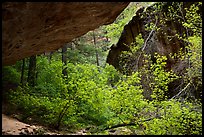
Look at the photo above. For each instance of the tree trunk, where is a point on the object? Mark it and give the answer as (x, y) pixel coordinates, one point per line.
(22, 72)
(64, 58)
(32, 71)
(50, 56)
(97, 61)
(106, 38)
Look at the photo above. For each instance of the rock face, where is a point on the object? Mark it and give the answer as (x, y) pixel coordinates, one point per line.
(163, 41)
(157, 41)
(33, 28)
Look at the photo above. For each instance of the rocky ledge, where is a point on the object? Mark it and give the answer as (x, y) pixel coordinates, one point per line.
(31, 28)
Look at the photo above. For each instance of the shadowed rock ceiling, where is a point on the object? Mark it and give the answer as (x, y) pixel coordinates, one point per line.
(32, 28)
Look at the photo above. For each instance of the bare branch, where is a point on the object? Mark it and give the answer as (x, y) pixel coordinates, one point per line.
(149, 35)
(131, 123)
(145, 44)
(180, 91)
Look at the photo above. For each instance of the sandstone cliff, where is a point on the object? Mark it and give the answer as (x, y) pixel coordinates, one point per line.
(163, 41)
(31, 28)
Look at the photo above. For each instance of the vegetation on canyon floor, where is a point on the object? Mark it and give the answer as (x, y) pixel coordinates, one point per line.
(74, 87)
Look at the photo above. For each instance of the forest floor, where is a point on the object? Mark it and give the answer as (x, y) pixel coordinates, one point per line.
(12, 126)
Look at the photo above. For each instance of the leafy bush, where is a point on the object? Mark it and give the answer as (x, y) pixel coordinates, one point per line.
(175, 119)
(41, 109)
(161, 116)
(9, 73)
(89, 86)
(80, 98)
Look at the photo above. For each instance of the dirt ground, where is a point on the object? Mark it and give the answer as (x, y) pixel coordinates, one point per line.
(11, 126)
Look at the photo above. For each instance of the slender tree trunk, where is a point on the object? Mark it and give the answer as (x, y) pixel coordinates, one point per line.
(106, 38)
(32, 71)
(50, 56)
(97, 61)
(64, 58)
(22, 72)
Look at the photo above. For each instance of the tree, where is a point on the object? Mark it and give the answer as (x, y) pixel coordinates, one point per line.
(64, 59)
(50, 56)
(94, 38)
(22, 72)
(32, 71)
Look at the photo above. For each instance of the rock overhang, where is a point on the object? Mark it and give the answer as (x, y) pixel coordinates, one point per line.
(32, 28)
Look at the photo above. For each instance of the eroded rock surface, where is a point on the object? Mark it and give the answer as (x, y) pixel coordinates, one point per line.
(156, 41)
(31, 28)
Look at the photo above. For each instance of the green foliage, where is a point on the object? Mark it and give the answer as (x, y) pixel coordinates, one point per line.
(38, 108)
(127, 58)
(86, 89)
(113, 76)
(193, 19)
(84, 49)
(50, 81)
(101, 96)
(161, 78)
(176, 119)
(83, 54)
(91, 99)
(195, 58)
(7, 72)
(127, 99)
(115, 29)
(192, 22)
(89, 85)
(167, 117)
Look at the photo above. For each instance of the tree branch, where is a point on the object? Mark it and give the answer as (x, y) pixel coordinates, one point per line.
(131, 123)
(121, 125)
(149, 35)
(180, 91)
(145, 44)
